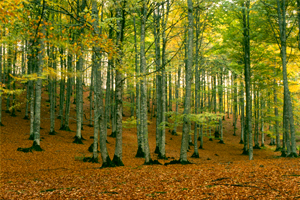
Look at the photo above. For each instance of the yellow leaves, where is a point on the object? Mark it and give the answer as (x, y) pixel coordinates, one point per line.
(51, 28)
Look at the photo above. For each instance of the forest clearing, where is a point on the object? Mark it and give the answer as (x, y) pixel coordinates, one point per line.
(165, 99)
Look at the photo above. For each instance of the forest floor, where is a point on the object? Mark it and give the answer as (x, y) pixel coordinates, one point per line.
(58, 172)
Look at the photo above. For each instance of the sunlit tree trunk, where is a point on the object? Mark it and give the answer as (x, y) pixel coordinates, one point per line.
(38, 92)
(248, 123)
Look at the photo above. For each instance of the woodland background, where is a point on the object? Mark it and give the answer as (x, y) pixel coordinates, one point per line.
(194, 89)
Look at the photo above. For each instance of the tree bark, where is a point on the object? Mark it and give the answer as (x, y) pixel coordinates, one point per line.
(187, 102)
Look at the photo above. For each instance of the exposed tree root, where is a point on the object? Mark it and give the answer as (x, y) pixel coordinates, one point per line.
(256, 147)
(283, 153)
(292, 155)
(152, 162)
(200, 147)
(245, 152)
(91, 148)
(173, 162)
(156, 150)
(117, 161)
(140, 153)
(52, 133)
(107, 163)
(278, 149)
(195, 155)
(26, 117)
(34, 147)
(113, 134)
(160, 156)
(221, 142)
(90, 159)
(77, 140)
(241, 142)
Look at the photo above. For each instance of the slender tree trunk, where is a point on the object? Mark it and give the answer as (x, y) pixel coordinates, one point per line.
(144, 85)
(120, 13)
(140, 136)
(157, 33)
(278, 147)
(52, 92)
(187, 102)
(288, 109)
(248, 123)
(221, 106)
(69, 93)
(38, 94)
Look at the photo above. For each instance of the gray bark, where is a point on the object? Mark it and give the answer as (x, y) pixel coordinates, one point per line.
(248, 121)
(38, 92)
(120, 14)
(288, 109)
(62, 89)
(69, 91)
(187, 102)
(143, 64)
(140, 135)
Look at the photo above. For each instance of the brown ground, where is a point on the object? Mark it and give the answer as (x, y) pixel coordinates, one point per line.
(221, 172)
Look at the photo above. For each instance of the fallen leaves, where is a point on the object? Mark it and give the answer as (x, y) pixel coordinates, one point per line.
(55, 173)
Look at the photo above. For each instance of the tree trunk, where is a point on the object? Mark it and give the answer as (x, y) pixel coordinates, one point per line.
(288, 109)
(143, 64)
(248, 123)
(120, 13)
(187, 102)
(140, 136)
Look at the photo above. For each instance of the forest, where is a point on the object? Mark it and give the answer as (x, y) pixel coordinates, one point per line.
(166, 99)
